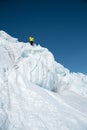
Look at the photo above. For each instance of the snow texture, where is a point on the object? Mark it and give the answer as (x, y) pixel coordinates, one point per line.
(36, 92)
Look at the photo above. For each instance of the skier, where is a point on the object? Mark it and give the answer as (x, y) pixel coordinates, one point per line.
(31, 39)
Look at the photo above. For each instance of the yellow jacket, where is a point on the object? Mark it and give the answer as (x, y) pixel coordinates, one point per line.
(31, 38)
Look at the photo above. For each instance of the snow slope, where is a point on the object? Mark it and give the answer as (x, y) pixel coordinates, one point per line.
(36, 92)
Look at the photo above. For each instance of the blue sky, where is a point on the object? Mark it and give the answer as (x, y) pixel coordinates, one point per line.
(59, 25)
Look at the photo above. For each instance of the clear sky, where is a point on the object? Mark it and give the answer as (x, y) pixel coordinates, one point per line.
(59, 25)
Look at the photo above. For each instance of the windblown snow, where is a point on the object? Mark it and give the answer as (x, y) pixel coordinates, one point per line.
(36, 92)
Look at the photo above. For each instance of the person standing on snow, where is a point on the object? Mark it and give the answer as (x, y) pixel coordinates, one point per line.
(31, 39)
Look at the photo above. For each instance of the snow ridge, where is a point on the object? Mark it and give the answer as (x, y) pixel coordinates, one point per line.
(27, 74)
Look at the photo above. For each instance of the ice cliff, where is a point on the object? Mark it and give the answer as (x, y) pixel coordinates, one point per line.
(36, 92)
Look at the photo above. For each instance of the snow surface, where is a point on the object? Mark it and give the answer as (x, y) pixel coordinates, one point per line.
(36, 92)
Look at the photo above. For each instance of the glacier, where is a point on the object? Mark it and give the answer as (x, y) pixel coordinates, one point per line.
(36, 92)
